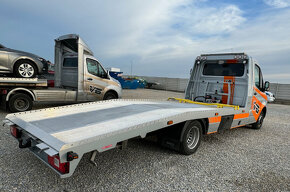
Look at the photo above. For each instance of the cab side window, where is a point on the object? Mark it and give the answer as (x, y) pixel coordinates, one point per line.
(95, 68)
(102, 72)
(258, 78)
(92, 67)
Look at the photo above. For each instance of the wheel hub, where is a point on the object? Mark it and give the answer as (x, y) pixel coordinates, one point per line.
(21, 104)
(26, 70)
(192, 137)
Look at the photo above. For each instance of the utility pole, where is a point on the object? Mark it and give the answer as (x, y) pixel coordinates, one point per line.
(131, 67)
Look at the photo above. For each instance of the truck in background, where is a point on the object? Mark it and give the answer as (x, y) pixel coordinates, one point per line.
(78, 77)
(225, 91)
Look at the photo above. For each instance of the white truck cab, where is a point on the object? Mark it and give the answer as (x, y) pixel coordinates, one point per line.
(233, 79)
(78, 77)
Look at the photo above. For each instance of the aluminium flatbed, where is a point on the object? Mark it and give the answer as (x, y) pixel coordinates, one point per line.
(87, 127)
(24, 82)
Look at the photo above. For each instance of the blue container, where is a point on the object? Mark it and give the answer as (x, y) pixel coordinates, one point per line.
(126, 84)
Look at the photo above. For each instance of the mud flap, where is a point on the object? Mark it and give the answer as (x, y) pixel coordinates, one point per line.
(226, 122)
(170, 143)
(3, 104)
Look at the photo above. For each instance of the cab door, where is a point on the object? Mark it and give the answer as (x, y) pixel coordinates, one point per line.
(94, 79)
(259, 99)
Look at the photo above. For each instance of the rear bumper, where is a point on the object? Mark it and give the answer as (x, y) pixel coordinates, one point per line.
(40, 150)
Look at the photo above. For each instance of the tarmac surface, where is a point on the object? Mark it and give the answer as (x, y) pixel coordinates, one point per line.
(241, 159)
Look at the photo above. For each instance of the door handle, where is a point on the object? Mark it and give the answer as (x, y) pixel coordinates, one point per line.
(89, 79)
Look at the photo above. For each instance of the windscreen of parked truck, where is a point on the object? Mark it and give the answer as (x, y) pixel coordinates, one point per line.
(225, 69)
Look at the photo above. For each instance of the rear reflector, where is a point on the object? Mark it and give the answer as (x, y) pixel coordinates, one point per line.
(14, 131)
(4, 91)
(232, 61)
(55, 163)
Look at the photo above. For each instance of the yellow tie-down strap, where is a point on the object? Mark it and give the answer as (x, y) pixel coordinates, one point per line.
(218, 105)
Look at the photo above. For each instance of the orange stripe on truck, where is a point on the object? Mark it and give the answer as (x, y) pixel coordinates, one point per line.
(241, 115)
(215, 119)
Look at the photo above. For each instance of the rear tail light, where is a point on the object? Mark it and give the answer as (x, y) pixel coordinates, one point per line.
(14, 131)
(3, 91)
(55, 163)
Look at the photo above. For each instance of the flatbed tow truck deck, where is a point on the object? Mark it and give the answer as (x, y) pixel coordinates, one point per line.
(24, 82)
(101, 125)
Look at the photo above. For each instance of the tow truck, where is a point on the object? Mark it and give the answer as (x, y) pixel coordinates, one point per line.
(225, 91)
(78, 77)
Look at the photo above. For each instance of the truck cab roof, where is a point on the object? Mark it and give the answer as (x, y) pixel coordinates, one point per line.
(71, 41)
(222, 56)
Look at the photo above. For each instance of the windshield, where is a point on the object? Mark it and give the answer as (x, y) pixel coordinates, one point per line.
(226, 69)
(2, 46)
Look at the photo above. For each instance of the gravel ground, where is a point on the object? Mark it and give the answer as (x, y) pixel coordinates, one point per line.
(238, 160)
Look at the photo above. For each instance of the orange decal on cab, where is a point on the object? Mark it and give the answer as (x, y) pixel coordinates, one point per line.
(261, 93)
(257, 107)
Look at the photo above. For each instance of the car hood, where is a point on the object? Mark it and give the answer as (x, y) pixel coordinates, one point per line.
(21, 52)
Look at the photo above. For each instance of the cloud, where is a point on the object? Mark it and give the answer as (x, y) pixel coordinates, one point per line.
(181, 24)
(211, 20)
(160, 38)
(278, 3)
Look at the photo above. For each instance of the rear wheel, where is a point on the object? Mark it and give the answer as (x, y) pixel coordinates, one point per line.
(25, 69)
(110, 95)
(191, 138)
(20, 102)
(259, 122)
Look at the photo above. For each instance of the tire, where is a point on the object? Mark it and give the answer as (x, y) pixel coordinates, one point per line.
(191, 138)
(20, 102)
(109, 96)
(25, 69)
(259, 122)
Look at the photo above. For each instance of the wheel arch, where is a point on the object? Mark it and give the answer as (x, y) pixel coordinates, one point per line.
(111, 91)
(20, 90)
(19, 59)
(203, 122)
(264, 110)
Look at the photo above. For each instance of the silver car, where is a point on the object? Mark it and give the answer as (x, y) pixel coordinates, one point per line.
(20, 63)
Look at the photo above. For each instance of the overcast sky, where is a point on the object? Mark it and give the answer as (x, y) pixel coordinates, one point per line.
(158, 37)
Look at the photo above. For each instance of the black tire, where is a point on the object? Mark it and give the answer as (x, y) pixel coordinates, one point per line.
(259, 122)
(25, 69)
(110, 95)
(191, 138)
(20, 102)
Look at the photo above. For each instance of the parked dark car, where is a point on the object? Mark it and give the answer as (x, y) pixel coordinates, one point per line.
(20, 63)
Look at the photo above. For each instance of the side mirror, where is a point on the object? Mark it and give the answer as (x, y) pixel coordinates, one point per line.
(190, 71)
(267, 85)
